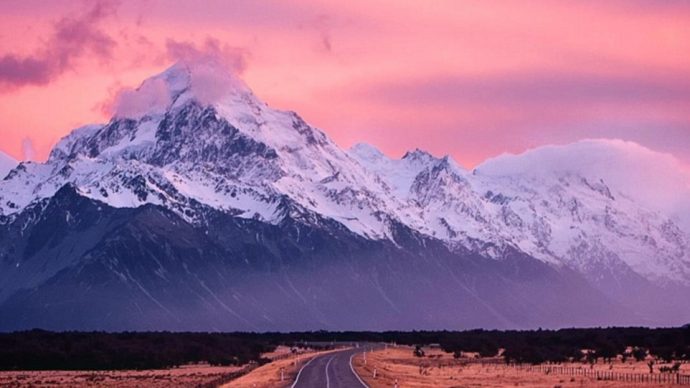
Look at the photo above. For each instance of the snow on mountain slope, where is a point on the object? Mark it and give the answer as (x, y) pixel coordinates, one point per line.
(656, 180)
(6, 164)
(568, 216)
(605, 198)
(399, 174)
(212, 142)
(196, 135)
(580, 221)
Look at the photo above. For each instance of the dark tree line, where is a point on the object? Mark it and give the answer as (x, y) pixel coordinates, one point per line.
(40, 350)
(538, 346)
(37, 349)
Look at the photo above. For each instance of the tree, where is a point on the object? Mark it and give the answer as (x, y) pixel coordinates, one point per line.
(639, 354)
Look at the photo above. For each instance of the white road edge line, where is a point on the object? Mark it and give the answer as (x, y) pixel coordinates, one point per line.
(301, 369)
(328, 380)
(355, 373)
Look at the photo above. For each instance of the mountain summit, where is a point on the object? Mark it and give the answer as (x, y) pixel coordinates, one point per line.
(206, 82)
(199, 207)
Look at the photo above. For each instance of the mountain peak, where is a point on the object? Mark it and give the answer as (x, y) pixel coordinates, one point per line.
(207, 82)
(424, 158)
(418, 155)
(366, 152)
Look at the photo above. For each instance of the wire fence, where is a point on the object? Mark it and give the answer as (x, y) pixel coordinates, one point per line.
(658, 378)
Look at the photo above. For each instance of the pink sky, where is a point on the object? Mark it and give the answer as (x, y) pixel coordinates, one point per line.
(468, 78)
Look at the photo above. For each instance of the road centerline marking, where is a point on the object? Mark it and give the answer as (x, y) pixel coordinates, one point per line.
(328, 380)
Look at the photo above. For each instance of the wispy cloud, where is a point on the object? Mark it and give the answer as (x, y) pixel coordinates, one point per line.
(154, 95)
(28, 150)
(72, 37)
(210, 50)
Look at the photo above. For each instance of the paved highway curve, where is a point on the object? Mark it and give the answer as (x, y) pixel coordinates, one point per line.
(332, 370)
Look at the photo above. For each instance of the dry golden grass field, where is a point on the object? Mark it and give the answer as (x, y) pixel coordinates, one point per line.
(440, 369)
(186, 376)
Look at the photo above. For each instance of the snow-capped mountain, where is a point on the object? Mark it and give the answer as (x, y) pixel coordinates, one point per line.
(234, 154)
(602, 202)
(565, 216)
(216, 193)
(6, 164)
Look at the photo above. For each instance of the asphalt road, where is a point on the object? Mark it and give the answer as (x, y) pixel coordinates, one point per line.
(332, 370)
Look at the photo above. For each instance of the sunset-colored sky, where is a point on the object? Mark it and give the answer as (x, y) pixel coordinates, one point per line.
(472, 79)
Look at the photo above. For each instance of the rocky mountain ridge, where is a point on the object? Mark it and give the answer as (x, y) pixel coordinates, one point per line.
(206, 154)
